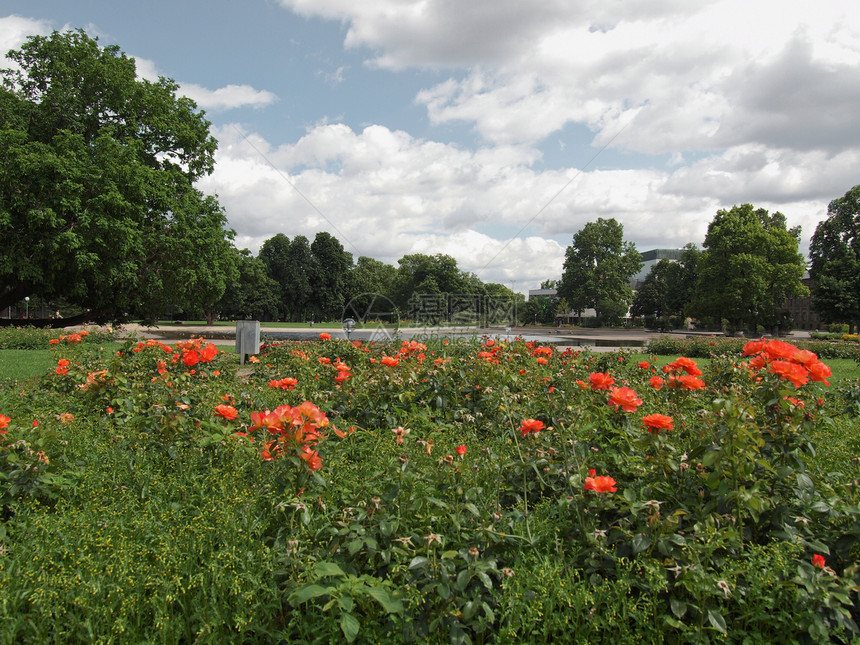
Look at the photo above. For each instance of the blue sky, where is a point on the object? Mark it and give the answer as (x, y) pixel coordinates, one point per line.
(493, 130)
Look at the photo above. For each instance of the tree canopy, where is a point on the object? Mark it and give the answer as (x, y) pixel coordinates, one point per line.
(749, 267)
(97, 197)
(598, 267)
(834, 253)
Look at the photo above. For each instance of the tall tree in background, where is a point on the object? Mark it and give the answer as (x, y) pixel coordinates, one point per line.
(835, 256)
(598, 267)
(250, 293)
(331, 264)
(275, 256)
(299, 291)
(426, 275)
(97, 203)
(750, 265)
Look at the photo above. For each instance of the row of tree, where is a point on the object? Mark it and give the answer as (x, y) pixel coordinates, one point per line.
(298, 280)
(749, 266)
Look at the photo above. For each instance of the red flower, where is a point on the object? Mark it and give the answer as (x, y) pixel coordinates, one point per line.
(778, 349)
(311, 457)
(324, 360)
(644, 365)
(390, 361)
(624, 398)
(754, 347)
(819, 372)
(461, 450)
(687, 365)
(601, 484)
(818, 561)
(656, 382)
(787, 371)
(656, 422)
(54, 341)
(600, 381)
(208, 352)
(286, 383)
(4, 421)
(226, 411)
(530, 425)
(191, 358)
(689, 382)
(341, 377)
(325, 336)
(541, 360)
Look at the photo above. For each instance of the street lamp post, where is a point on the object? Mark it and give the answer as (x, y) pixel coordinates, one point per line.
(27, 307)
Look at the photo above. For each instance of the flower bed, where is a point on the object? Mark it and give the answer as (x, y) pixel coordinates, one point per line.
(448, 491)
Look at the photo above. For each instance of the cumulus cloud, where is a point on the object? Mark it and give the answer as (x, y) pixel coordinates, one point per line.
(685, 76)
(227, 97)
(14, 31)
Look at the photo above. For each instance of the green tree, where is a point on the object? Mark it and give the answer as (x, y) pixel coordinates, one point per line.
(598, 267)
(299, 291)
(749, 267)
(250, 293)
(668, 288)
(97, 172)
(368, 288)
(331, 265)
(834, 253)
(426, 275)
(275, 255)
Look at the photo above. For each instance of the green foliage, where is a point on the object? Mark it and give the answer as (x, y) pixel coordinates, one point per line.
(834, 252)
(750, 265)
(598, 267)
(467, 491)
(97, 203)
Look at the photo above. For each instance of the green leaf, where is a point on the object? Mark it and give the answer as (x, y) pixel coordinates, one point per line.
(323, 569)
(717, 621)
(346, 603)
(640, 542)
(463, 579)
(307, 592)
(350, 626)
(418, 562)
(678, 607)
(389, 604)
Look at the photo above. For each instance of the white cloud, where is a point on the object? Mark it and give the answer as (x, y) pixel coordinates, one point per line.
(690, 75)
(14, 31)
(227, 97)
(384, 194)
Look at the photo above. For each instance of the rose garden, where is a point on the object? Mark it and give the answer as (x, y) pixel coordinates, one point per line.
(446, 491)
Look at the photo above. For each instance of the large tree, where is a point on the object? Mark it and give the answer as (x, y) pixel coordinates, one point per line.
(97, 197)
(275, 256)
(598, 267)
(749, 267)
(331, 266)
(835, 256)
(251, 293)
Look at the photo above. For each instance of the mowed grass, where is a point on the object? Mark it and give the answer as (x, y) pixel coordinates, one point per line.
(23, 364)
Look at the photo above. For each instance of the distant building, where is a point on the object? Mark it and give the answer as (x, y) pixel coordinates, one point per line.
(649, 259)
(801, 309)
